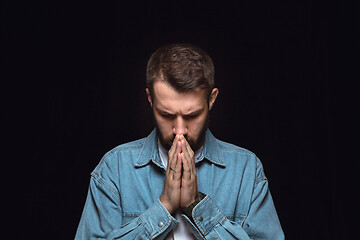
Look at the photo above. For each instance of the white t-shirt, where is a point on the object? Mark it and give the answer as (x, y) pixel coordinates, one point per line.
(180, 232)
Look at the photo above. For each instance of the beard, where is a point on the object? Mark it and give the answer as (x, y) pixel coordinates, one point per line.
(195, 143)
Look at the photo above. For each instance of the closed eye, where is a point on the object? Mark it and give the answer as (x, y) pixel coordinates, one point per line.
(167, 115)
(191, 116)
(194, 114)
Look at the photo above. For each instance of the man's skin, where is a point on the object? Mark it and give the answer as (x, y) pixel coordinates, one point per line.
(180, 185)
(183, 115)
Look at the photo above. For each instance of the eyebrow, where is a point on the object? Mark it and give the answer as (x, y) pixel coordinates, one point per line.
(196, 112)
(193, 113)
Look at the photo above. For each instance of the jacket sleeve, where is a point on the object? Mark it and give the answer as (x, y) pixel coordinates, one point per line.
(261, 222)
(102, 217)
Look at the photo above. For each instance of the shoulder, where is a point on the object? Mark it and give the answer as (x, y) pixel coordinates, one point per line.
(229, 147)
(125, 153)
(235, 155)
(129, 146)
(232, 149)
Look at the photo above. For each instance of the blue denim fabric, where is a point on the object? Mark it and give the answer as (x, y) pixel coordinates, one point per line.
(123, 197)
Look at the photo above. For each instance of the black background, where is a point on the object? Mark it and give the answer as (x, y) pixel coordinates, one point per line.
(74, 89)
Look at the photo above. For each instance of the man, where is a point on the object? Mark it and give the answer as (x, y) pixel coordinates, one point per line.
(179, 182)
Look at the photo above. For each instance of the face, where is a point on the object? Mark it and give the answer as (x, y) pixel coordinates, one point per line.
(180, 113)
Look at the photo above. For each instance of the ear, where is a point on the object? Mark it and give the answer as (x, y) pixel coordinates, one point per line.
(213, 97)
(149, 96)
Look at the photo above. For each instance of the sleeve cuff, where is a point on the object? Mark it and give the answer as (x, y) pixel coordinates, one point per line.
(157, 220)
(206, 215)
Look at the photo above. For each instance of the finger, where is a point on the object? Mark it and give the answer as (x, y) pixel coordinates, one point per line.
(174, 161)
(185, 150)
(173, 147)
(186, 167)
(171, 153)
(189, 153)
(188, 148)
(177, 169)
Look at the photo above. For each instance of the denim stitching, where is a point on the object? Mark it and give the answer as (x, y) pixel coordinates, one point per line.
(202, 230)
(165, 226)
(105, 184)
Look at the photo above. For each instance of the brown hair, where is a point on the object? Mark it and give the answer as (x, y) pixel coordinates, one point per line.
(184, 67)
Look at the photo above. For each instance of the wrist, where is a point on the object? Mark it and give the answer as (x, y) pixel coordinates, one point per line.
(189, 202)
(188, 210)
(167, 205)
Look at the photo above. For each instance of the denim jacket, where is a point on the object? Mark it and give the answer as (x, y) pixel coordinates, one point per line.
(123, 197)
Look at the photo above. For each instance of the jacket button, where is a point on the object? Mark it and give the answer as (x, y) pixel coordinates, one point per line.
(201, 219)
(160, 224)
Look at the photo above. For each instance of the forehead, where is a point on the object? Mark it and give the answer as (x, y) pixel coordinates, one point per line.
(167, 98)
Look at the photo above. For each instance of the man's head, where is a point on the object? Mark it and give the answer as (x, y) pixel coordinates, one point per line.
(180, 90)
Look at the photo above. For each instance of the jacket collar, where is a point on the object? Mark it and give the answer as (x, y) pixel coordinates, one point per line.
(150, 151)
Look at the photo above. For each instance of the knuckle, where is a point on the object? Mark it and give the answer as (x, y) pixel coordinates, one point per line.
(187, 184)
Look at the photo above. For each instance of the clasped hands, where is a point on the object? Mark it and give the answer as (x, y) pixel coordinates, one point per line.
(180, 186)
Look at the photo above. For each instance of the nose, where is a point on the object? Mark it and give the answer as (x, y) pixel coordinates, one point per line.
(180, 126)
